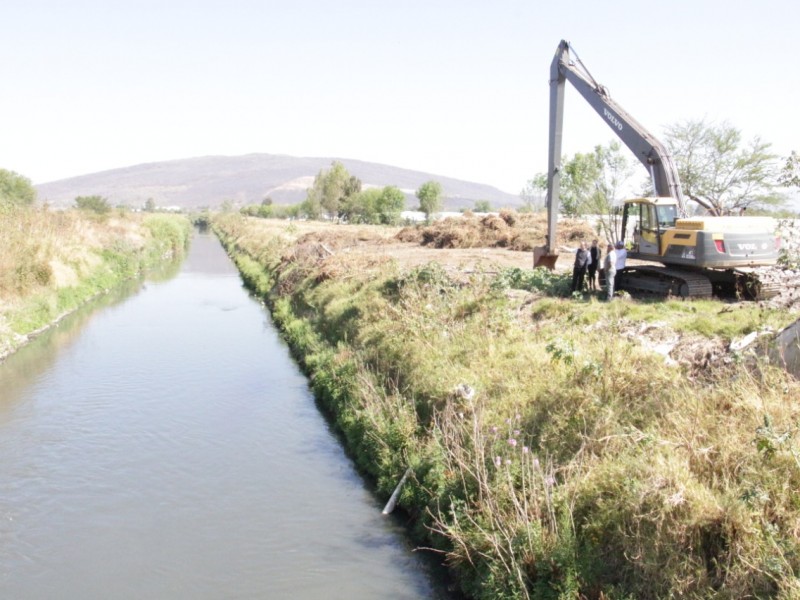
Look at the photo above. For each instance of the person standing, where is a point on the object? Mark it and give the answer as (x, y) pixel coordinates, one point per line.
(622, 256)
(610, 270)
(582, 259)
(595, 254)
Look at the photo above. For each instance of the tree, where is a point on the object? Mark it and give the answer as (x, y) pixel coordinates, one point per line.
(533, 194)
(150, 205)
(615, 170)
(715, 166)
(96, 204)
(331, 188)
(592, 183)
(580, 177)
(361, 207)
(429, 195)
(483, 206)
(374, 205)
(390, 204)
(790, 175)
(15, 189)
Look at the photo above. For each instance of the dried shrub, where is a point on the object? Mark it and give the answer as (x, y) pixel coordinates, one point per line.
(521, 232)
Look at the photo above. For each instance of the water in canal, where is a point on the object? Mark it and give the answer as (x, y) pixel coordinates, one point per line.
(165, 445)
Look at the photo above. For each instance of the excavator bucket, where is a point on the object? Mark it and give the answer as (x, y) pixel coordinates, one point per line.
(542, 258)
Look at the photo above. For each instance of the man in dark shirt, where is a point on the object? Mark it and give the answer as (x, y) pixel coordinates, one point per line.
(582, 259)
(596, 254)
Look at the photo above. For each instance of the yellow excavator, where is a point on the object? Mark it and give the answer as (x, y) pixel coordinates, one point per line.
(698, 255)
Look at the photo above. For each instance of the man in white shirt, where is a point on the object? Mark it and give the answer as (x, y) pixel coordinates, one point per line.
(610, 270)
(622, 256)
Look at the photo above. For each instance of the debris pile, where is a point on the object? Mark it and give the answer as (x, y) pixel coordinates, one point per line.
(789, 230)
(508, 229)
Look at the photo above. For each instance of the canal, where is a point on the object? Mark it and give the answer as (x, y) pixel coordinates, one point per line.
(164, 445)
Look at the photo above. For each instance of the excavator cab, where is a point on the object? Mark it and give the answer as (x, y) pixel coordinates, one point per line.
(644, 221)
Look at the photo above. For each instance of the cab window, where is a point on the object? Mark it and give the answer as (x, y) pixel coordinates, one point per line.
(649, 221)
(666, 216)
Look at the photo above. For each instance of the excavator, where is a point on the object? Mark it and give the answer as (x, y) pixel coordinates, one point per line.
(698, 255)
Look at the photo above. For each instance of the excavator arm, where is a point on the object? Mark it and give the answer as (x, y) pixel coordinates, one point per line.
(646, 148)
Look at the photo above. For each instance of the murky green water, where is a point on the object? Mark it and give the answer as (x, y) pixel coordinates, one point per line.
(165, 446)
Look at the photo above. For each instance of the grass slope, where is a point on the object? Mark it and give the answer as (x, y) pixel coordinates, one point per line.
(554, 455)
(54, 261)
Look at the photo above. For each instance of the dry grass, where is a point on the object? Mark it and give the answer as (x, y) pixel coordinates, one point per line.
(521, 232)
(51, 261)
(43, 248)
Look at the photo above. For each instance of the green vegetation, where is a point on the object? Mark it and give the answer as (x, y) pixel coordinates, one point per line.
(591, 184)
(376, 206)
(54, 261)
(15, 190)
(429, 195)
(338, 195)
(95, 204)
(331, 189)
(715, 166)
(554, 455)
(483, 206)
(790, 174)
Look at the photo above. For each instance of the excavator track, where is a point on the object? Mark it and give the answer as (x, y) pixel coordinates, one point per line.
(756, 284)
(663, 281)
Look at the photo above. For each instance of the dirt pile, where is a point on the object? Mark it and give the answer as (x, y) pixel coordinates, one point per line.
(509, 229)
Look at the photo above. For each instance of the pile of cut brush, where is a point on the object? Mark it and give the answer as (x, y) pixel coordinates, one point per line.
(508, 229)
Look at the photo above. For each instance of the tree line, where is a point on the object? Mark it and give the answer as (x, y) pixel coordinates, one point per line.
(338, 195)
(716, 166)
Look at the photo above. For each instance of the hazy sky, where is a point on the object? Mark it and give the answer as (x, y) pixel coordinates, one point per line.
(455, 88)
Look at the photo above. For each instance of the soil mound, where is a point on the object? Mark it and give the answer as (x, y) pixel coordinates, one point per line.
(509, 229)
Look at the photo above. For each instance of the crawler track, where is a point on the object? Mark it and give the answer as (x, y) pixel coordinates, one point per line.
(663, 281)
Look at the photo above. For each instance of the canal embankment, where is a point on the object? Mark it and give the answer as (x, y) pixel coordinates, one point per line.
(559, 446)
(55, 261)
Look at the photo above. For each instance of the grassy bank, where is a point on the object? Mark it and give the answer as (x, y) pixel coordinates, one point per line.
(555, 452)
(54, 261)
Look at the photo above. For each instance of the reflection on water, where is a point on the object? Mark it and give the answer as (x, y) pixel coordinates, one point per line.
(167, 447)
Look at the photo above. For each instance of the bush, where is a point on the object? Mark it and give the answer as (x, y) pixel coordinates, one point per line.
(95, 204)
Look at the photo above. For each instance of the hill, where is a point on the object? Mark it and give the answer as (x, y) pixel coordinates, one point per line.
(211, 180)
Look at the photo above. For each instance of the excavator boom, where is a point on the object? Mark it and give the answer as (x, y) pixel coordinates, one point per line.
(646, 148)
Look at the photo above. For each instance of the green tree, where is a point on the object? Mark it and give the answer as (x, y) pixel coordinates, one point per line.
(15, 189)
(483, 206)
(580, 177)
(374, 205)
(150, 205)
(361, 207)
(330, 190)
(719, 170)
(390, 204)
(615, 169)
(592, 184)
(96, 204)
(430, 197)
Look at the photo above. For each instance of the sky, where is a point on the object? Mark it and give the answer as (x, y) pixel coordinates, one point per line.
(456, 88)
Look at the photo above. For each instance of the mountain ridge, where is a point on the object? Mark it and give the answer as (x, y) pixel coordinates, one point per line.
(209, 181)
